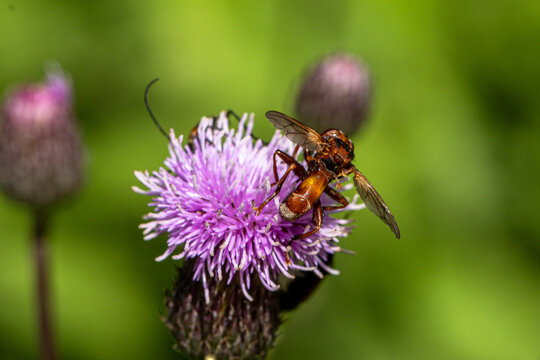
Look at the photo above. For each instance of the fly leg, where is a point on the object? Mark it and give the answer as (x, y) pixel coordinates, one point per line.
(335, 195)
(307, 155)
(318, 216)
(234, 115)
(307, 158)
(281, 154)
(229, 114)
(318, 213)
(293, 166)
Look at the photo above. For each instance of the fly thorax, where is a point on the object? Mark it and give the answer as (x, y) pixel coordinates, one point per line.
(330, 164)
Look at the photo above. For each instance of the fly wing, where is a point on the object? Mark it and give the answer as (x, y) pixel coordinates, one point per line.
(374, 201)
(297, 132)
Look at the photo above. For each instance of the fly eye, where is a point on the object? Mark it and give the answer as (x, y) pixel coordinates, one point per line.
(338, 159)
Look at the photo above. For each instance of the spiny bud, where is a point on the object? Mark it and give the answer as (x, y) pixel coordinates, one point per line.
(226, 325)
(40, 148)
(335, 94)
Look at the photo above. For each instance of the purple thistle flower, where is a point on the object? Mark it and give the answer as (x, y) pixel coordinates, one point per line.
(204, 203)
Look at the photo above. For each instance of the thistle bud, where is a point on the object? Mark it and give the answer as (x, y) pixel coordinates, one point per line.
(40, 148)
(221, 324)
(335, 94)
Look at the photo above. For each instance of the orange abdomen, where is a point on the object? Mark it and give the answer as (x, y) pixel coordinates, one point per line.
(301, 200)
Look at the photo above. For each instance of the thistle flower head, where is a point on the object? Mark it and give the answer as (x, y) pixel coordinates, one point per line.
(40, 148)
(335, 94)
(228, 326)
(204, 202)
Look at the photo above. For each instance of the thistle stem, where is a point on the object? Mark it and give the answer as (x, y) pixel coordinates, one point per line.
(40, 252)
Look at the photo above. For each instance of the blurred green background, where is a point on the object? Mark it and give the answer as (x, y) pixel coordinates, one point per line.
(452, 144)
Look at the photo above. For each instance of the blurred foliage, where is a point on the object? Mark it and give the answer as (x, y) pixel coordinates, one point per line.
(452, 145)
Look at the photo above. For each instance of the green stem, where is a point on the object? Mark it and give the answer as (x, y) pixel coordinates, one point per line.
(40, 253)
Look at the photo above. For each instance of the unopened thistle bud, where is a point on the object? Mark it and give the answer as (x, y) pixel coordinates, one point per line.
(40, 148)
(335, 94)
(228, 326)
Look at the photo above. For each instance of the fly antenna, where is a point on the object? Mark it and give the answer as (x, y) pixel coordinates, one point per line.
(150, 110)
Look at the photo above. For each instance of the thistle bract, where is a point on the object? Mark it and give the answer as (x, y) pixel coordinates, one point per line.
(228, 326)
(203, 201)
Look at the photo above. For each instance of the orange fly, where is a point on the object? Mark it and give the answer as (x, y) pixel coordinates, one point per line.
(328, 156)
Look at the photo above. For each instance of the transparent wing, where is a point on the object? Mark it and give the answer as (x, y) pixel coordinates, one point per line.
(374, 201)
(297, 132)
